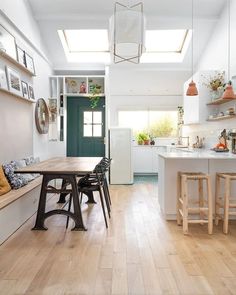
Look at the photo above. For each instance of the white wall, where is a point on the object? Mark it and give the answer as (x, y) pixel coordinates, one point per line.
(20, 136)
(143, 89)
(215, 57)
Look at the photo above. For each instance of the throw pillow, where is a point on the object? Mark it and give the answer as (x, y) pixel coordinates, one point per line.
(30, 161)
(16, 180)
(4, 185)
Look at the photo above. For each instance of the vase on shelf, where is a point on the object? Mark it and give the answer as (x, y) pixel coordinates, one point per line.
(216, 94)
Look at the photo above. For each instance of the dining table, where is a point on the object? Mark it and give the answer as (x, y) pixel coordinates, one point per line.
(66, 169)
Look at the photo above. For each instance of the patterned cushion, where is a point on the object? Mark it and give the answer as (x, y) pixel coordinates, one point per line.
(16, 180)
(21, 164)
(4, 185)
(29, 160)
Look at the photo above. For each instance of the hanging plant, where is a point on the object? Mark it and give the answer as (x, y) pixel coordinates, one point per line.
(95, 95)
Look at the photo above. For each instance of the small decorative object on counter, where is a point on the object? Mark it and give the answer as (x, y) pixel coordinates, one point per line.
(222, 145)
(199, 142)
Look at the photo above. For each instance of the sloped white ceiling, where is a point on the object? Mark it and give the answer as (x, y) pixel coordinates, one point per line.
(90, 14)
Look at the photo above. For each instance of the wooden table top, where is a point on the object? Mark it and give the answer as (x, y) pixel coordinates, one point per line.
(63, 165)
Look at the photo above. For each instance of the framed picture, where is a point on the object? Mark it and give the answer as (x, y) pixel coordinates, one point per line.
(52, 106)
(14, 81)
(20, 56)
(7, 42)
(31, 92)
(29, 63)
(25, 89)
(3, 79)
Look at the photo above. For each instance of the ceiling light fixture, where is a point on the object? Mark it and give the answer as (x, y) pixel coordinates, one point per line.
(127, 31)
(192, 88)
(229, 92)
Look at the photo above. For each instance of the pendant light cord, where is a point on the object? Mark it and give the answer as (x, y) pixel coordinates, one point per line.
(229, 52)
(192, 40)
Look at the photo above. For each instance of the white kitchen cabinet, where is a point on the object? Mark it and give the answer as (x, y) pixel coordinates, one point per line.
(145, 158)
(142, 159)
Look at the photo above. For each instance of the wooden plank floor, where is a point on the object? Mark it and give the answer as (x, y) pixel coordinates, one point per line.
(139, 254)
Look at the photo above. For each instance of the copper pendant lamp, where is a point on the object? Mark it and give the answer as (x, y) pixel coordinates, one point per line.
(192, 88)
(229, 92)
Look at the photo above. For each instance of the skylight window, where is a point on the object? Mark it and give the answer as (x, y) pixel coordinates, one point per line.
(86, 40)
(165, 41)
(92, 46)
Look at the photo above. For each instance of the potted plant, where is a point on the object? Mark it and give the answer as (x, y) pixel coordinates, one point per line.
(143, 138)
(95, 94)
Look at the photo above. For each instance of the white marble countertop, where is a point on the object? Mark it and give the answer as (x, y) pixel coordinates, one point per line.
(197, 154)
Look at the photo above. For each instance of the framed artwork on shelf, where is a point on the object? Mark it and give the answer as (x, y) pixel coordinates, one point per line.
(25, 90)
(7, 42)
(29, 63)
(31, 92)
(21, 56)
(3, 79)
(14, 81)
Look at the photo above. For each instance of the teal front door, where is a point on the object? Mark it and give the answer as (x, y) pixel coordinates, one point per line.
(85, 128)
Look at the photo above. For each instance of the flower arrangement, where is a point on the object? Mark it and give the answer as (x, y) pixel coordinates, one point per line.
(215, 82)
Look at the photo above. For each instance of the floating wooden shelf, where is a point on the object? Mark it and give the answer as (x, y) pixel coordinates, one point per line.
(16, 63)
(220, 101)
(222, 118)
(16, 95)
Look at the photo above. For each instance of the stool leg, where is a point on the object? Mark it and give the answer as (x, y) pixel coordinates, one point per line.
(184, 195)
(226, 206)
(200, 195)
(217, 200)
(178, 204)
(209, 196)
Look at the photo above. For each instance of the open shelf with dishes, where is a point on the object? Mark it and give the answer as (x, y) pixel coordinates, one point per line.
(225, 117)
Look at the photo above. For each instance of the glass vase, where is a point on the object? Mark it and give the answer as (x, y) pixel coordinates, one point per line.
(216, 94)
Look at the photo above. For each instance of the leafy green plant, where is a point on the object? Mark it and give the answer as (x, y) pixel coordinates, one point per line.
(95, 95)
(141, 137)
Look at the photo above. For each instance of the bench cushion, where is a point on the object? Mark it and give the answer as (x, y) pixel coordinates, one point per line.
(4, 185)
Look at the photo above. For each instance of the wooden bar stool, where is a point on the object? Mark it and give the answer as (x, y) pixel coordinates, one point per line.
(204, 208)
(225, 202)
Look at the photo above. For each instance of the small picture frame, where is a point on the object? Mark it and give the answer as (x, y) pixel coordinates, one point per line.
(14, 81)
(21, 56)
(3, 79)
(29, 63)
(25, 90)
(31, 92)
(7, 42)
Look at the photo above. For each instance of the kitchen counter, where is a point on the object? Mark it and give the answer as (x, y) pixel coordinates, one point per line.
(197, 154)
(170, 163)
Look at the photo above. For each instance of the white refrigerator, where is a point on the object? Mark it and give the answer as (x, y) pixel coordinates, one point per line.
(120, 151)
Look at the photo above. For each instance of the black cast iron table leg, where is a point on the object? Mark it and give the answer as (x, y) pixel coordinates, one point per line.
(62, 198)
(39, 224)
(79, 224)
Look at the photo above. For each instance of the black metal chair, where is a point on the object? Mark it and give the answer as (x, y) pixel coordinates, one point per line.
(91, 183)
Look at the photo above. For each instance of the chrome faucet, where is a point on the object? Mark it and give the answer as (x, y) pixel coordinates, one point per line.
(180, 140)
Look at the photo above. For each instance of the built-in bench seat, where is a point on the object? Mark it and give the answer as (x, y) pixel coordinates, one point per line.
(17, 206)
